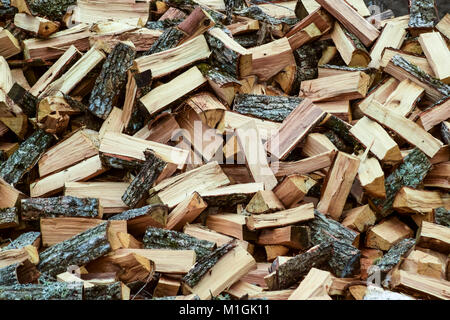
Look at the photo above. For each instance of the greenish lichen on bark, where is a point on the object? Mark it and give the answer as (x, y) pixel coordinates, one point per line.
(25, 158)
(53, 9)
(158, 212)
(141, 184)
(167, 40)
(273, 108)
(111, 81)
(205, 263)
(157, 238)
(224, 58)
(9, 217)
(25, 239)
(256, 13)
(111, 291)
(8, 275)
(442, 216)
(216, 75)
(25, 100)
(50, 291)
(64, 206)
(393, 256)
(410, 173)
(112, 161)
(78, 250)
(422, 14)
(163, 24)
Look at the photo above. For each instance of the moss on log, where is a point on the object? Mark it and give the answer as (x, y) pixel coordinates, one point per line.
(49, 291)
(65, 206)
(410, 173)
(78, 250)
(111, 81)
(142, 183)
(9, 218)
(393, 256)
(25, 239)
(163, 24)
(442, 216)
(25, 100)
(24, 158)
(53, 9)
(422, 14)
(156, 238)
(205, 263)
(273, 108)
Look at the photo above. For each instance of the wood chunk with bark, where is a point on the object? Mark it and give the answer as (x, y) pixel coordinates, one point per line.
(434, 115)
(230, 196)
(419, 285)
(296, 237)
(442, 216)
(31, 238)
(422, 16)
(437, 52)
(111, 81)
(415, 59)
(48, 291)
(25, 100)
(196, 23)
(444, 26)
(10, 256)
(138, 220)
(19, 273)
(293, 189)
(409, 200)
(387, 233)
(113, 291)
(264, 202)
(231, 224)
(434, 236)
(41, 27)
(10, 46)
(316, 283)
(359, 219)
(307, 165)
(79, 250)
(210, 110)
(156, 238)
(371, 177)
(403, 100)
(394, 255)
(9, 218)
(350, 47)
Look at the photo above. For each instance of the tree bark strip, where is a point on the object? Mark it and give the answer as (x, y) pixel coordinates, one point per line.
(393, 256)
(25, 100)
(9, 218)
(49, 291)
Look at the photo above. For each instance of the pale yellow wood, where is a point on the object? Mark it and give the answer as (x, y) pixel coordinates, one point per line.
(404, 98)
(113, 123)
(417, 201)
(282, 218)
(9, 45)
(387, 233)
(419, 61)
(437, 53)
(444, 26)
(316, 283)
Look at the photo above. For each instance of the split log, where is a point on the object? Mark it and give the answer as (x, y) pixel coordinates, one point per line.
(393, 257)
(18, 273)
(296, 237)
(436, 51)
(233, 225)
(196, 23)
(409, 200)
(422, 16)
(31, 238)
(309, 115)
(230, 196)
(422, 286)
(209, 109)
(138, 220)
(316, 283)
(9, 44)
(155, 238)
(438, 176)
(350, 47)
(434, 236)
(415, 59)
(25, 100)
(79, 250)
(324, 229)
(425, 262)
(264, 202)
(9, 218)
(442, 216)
(48, 291)
(359, 219)
(387, 233)
(243, 26)
(444, 26)
(434, 115)
(36, 208)
(371, 177)
(12, 256)
(273, 108)
(24, 159)
(234, 120)
(304, 166)
(281, 218)
(242, 289)
(167, 287)
(340, 177)
(293, 189)
(404, 98)
(114, 291)
(37, 25)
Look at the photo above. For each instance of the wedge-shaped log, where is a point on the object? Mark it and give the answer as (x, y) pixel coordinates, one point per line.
(293, 189)
(444, 26)
(138, 220)
(281, 218)
(10, 46)
(395, 254)
(308, 165)
(296, 237)
(404, 98)
(264, 202)
(359, 219)
(25, 100)
(387, 233)
(411, 200)
(9, 218)
(31, 238)
(67, 206)
(417, 60)
(434, 115)
(316, 284)
(186, 212)
(434, 237)
(351, 19)
(337, 185)
(230, 224)
(371, 177)
(294, 129)
(48, 291)
(36, 25)
(350, 47)
(229, 196)
(420, 285)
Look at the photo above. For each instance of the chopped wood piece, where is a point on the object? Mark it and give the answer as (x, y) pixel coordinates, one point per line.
(9, 44)
(293, 189)
(350, 47)
(393, 257)
(434, 236)
(36, 208)
(242, 289)
(404, 127)
(11, 256)
(196, 23)
(422, 16)
(19, 273)
(359, 219)
(156, 238)
(419, 61)
(37, 25)
(444, 26)
(425, 262)
(434, 115)
(160, 97)
(316, 283)
(113, 291)
(228, 54)
(9, 218)
(304, 166)
(306, 114)
(230, 224)
(351, 19)
(438, 176)
(26, 101)
(417, 201)
(232, 195)
(166, 287)
(296, 237)
(48, 291)
(352, 85)
(404, 98)
(437, 52)
(138, 220)
(244, 25)
(371, 177)
(264, 202)
(212, 274)
(167, 61)
(388, 233)
(281, 218)
(424, 286)
(274, 251)
(340, 178)
(128, 241)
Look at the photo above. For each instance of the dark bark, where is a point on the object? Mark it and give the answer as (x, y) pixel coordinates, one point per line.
(442, 216)
(25, 100)
(422, 14)
(111, 291)
(227, 200)
(111, 81)
(256, 13)
(338, 142)
(66, 206)
(167, 40)
(295, 268)
(141, 218)
(205, 263)
(25, 239)
(24, 159)
(142, 183)
(8, 275)
(163, 24)
(273, 108)
(53, 9)
(250, 40)
(6, 11)
(342, 130)
(50, 291)
(307, 57)
(116, 162)
(139, 115)
(156, 238)
(9, 217)
(216, 75)
(347, 68)
(345, 260)
(78, 250)
(231, 5)
(393, 256)
(410, 173)
(75, 104)
(445, 132)
(324, 229)
(18, 273)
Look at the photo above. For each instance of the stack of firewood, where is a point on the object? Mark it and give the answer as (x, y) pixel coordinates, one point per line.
(223, 149)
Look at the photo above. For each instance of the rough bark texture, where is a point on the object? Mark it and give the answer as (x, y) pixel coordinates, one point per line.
(111, 291)
(445, 132)
(78, 250)
(358, 44)
(142, 183)
(231, 5)
(307, 57)
(341, 129)
(256, 13)
(157, 211)
(163, 24)
(111, 81)
(338, 142)
(345, 260)
(442, 216)
(66, 206)
(24, 159)
(347, 68)
(111, 161)
(9, 217)
(229, 200)
(8, 275)
(156, 238)
(216, 75)
(25, 100)
(53, 9)
(250, 40)
(424, 77)
(205, 263)
(393, 256)
(422, 14)
(25, 239)
(167, 40)
(223, 57)
(139, 115)
(324, 229)
(50, 291)
(295, 268)
(273, 108)
(410, 173)
(6, 10)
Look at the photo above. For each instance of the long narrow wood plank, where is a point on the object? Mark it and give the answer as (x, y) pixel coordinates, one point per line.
(307, 165)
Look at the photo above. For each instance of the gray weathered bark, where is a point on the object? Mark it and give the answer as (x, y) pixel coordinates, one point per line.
(50, 291)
